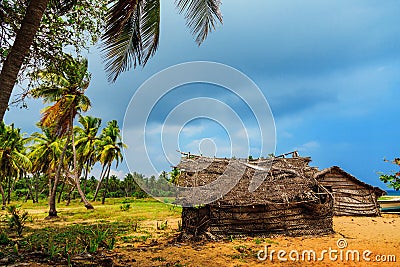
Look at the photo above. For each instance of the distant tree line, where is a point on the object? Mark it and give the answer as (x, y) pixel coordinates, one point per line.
(35, 188)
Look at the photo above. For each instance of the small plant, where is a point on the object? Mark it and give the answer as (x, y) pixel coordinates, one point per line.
(179, 226)
(158, 259)
(4, 240)
(98, 238)
(126, 200)
(258, 241)
(236, 256)
(17, 219)
(53, 250)
(135, 226)
(162, 226)
(125, 207)
(111, 244)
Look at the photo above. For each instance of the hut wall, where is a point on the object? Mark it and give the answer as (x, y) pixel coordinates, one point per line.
(350, 198)
(292, 219)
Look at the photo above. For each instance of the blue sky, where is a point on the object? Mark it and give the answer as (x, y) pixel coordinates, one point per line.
(328, 69)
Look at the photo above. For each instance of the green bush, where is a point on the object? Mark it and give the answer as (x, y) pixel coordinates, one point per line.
(4, 240)
(125, 207)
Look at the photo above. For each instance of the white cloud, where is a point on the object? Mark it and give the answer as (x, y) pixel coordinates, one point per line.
(308, 147)
(97, 171)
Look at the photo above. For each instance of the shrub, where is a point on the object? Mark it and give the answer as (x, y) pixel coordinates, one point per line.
(125, 207)
(4, 240)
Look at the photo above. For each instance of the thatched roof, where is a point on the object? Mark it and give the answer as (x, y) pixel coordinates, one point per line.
(318, 175)
(265, 181)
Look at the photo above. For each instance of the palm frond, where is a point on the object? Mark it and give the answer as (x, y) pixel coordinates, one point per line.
(201, 16)
(122, 46)
(150, 28)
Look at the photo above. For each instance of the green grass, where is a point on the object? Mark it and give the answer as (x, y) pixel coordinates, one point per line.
(140, 210)
(388, 197)
(78, 229)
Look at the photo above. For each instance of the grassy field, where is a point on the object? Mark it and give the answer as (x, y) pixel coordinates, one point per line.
(139, 210)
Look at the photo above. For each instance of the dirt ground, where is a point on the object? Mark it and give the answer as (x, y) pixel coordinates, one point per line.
(377, 240)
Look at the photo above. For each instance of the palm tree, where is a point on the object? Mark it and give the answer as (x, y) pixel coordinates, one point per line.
(109, 150)
(85, 144)
(45, 152)
(13, 161)
(64, 84)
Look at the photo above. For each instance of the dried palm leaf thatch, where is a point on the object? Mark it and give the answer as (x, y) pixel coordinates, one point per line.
(271, 196)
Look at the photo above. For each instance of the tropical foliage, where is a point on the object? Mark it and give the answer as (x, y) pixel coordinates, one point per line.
(34, 33)
(133, 30)
(72, 24)
(64, 85)
(13, 161)
(393, 179)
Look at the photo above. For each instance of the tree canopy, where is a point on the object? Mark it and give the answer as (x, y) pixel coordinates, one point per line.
(66, 26)
(393, 179)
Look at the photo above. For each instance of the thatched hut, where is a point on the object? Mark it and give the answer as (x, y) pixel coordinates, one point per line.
(286, 199)
(351, 196)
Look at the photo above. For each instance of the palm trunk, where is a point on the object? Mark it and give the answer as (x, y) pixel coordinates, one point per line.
(20, 49)
(9, 190)
(30, 193)
(69, 195)
(86, 174)
(27, 197)
(37, 188)
(99, 183)
(3, 197)
(76, 174)
(50, 185)
(103, 200)
(53, 191)
(60, 194)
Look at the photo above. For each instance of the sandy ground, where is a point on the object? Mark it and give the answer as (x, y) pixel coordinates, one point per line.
(377, 238)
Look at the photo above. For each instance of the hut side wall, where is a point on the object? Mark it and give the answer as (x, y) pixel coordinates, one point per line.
(292, 220)
(350, 198)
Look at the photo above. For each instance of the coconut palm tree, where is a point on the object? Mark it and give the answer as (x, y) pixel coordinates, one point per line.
(64, 85)
(45, 153)
(13, 160)
(85, 144)
(109, 150)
